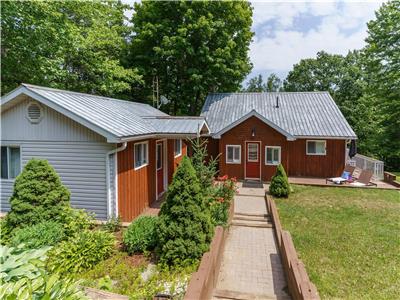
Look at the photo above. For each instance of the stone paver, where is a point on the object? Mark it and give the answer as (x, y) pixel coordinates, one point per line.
(251, 263)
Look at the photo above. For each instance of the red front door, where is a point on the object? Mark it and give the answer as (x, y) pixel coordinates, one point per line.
(253, 160)
(160, 167)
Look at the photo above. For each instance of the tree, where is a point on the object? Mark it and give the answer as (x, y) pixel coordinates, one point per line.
(382, 55)
(38, 195)
(65, 44)
(256, 84)
(279, 186)
(184, 229)
(192, 48)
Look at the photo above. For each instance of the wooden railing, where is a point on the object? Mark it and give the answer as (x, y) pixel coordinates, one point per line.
(203, 282)
(299, 285)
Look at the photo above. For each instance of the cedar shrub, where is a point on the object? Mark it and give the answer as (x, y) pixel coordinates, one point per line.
(279, 186)
(184, 229)
(38, 195)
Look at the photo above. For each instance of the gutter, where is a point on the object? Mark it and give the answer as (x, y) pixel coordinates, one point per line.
(109, 204)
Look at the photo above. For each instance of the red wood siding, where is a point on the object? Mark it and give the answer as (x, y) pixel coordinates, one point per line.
(293, 153)
(176, 160)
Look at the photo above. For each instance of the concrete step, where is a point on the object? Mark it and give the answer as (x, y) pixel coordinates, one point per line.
(251, 214)
(260, 224)
(251, 218)
(233, 295)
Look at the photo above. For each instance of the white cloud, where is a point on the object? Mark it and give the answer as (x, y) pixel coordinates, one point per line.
(342, 28)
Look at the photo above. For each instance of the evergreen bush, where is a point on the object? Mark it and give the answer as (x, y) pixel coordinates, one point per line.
(279, 186)
(42, 234)
(141, 235)
(38, 195)
(184, 229)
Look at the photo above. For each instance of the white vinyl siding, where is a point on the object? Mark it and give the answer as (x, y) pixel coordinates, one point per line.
(233, 154)
(272, 155)
(141, 155)
(178, 147)
(316, 147)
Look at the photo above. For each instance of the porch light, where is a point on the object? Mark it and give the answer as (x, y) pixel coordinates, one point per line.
(253, 132)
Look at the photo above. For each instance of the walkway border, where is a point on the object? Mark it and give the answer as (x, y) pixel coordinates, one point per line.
(203, 282)
(299, 284)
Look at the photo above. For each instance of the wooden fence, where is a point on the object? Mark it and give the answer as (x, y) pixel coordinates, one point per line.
(299, 285)
(203, 282)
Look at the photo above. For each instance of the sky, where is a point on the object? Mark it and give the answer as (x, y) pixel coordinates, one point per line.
(287, 31)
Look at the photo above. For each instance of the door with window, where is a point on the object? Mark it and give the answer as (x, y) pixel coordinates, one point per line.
(160, 167)
(253, 169)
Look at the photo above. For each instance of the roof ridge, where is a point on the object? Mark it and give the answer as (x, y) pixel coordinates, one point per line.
(242, 93)
(28, 85)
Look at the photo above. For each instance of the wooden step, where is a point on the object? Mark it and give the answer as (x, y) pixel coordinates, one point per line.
(251, 214)
(251, 218)
(258, 224)
(233, 295)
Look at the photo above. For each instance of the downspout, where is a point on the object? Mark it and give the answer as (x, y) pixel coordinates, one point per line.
(109, 204)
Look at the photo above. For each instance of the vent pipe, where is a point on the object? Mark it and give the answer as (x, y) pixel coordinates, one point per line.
(277, 102)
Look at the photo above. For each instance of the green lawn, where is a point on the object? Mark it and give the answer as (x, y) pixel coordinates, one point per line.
(349, 239)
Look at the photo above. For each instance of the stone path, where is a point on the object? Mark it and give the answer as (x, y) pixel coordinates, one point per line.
(251, 267)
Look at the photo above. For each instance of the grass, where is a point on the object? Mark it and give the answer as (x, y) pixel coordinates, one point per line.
(397, 175)
(349, 239)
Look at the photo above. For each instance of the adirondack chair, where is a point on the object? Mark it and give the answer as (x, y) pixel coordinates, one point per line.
(340, 180)
(364, 179)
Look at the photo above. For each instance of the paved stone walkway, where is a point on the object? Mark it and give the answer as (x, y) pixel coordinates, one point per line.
(251, 267)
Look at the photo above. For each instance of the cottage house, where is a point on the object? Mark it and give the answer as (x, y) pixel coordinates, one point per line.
(115, 156)
(254, 132)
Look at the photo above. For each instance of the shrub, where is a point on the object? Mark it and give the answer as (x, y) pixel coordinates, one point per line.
(38, 195)
(279, 186)
(81, 252)
(43, 234)
(5, 231)
(184, 229)
(76, 220)
(141, 235)
(113, 224)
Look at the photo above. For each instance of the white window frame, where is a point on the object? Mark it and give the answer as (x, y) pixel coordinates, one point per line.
(146, 153)
(8, 162)
(237, 161)
(318, 141)
(280, 155)
(177, 154)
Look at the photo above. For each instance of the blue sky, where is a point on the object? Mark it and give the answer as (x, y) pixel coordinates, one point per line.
(287, 31)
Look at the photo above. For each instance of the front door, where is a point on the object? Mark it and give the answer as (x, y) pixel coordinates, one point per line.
(253, 160)
(160, 168)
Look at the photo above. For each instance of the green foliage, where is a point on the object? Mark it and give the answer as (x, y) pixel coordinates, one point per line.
(76, 220)
(81, 252)
(38, 195)
(222, 199)
(141, 235)
(279, 186)
(5, 231)
(193, 47)
(43, 234)
(256, 84)
(75, 45)
(113, 224)
(205, 171)
(184, 229)
(23, 276)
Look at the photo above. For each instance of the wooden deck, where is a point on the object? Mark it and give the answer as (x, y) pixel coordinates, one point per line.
(322, 182)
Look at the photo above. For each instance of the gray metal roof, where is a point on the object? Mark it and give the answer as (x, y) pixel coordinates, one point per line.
(308, 114)
(116, 118)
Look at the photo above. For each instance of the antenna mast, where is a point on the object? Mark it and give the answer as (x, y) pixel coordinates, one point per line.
(155, 91)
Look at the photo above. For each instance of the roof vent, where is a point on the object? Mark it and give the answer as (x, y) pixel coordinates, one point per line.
(277, 102)
(34, 112)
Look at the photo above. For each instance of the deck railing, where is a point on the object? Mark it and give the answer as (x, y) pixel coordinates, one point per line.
(367, 163)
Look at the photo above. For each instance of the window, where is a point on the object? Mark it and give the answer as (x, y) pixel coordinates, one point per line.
(272, 155)
(252, 152)
(159, 155)
(178, 147)
(10, 162)
(141, 155)
(233, 154)
(316, 147)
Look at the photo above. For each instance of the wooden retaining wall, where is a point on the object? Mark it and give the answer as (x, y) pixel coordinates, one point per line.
(299, 284)
(203, 282)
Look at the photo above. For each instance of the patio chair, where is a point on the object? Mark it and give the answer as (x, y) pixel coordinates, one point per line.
(339, 180)
(364, 179)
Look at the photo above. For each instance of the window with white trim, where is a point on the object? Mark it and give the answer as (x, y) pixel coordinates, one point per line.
(272, 155)
(141, 154)
(316, 147)
(178, 147)
(233, 154)
(10, 162)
